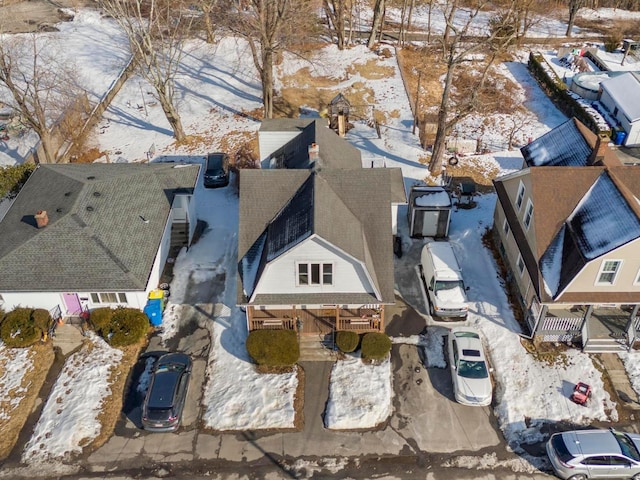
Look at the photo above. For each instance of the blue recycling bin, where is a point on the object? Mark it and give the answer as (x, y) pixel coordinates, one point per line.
(620, 136)
(153, 310)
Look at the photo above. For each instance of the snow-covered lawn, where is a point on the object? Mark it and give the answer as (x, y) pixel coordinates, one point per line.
(216, 83)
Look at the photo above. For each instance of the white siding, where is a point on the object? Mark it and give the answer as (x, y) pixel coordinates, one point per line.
(269, 142)
(280, 276)
(160, 260)
(394, 219)
(50, 300)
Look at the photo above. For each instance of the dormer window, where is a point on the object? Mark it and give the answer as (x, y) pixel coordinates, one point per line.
(520, 196)
(315, 274)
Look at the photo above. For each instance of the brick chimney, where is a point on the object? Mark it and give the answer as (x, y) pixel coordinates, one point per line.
(41, 218)
(314, 152)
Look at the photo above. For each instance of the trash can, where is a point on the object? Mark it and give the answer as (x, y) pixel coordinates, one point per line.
(620, 136)
(153, 310)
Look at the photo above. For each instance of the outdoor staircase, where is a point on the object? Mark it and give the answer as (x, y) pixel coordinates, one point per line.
(179, 234)
(605, 345)
(314, 348)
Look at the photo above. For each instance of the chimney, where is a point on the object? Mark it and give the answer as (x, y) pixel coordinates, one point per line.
(599, 150)
(314, 152)
(41, 218)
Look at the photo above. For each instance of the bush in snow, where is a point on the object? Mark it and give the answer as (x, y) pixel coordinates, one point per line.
(347, 341)
(375, 346)
(100, 318)
(41, 319)
(127, 326)
(18, 328)
(273, 348)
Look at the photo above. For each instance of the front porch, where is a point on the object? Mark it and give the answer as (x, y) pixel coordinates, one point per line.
(598, 328)
(318, 321)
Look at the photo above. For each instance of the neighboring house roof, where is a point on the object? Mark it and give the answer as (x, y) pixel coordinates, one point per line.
(570, 144)
(105, 225)
(334, 151)
(625, 91)
(574, 211)
(301, 203)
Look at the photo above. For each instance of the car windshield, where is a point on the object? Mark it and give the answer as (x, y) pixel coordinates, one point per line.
(468, 369)
(626, 446)
(448, 285)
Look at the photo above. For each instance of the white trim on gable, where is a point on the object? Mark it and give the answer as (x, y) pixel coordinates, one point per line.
(350, 275)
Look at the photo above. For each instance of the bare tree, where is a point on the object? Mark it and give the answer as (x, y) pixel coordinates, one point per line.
(458, 50)
(336, 11)
(379, 10)
(270, 27)
(40, 89)
(574, 6)
(208, 8)
(156, 30)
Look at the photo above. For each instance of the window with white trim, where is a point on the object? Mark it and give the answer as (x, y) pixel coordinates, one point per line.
(109, 297)
(528, 215)
(506, 228)
(520, 196)
(608, 272)
(315, 274)
(520, 264)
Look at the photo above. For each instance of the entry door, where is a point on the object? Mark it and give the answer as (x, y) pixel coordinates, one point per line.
(430, 223)
(72, 303)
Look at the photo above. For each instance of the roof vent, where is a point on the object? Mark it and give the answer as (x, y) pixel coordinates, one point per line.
(91, 177)
(67, 194)
(59, 210)
(41, 218)
(89, 208)
(96, 194)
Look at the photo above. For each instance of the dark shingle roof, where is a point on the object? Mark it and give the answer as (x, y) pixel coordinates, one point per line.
(334, 151)
(563, 146)
(105, 226)
(350, 209)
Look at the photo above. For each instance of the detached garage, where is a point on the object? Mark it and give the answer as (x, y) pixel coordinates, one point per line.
(429, 212)
(619, 95)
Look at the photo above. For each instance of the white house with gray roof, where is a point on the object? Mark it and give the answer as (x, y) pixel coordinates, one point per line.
(315, 243)
(82, 236)
(620, 95)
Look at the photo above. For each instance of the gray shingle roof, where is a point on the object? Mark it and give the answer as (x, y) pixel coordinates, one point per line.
(351, 209)
(105, 226)
(334, 151)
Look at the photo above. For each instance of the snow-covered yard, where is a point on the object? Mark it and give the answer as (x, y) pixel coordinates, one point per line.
(216, 83)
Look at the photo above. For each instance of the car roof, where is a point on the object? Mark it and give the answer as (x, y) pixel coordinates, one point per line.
(165, 382)
(468, 343)
(591, 442)
(214, 160)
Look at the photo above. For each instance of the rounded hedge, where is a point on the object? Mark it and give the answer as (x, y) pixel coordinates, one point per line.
(100, 318)
(127, 326)
(347, 341)
(375, 346)
(273, 348)
(18, 328)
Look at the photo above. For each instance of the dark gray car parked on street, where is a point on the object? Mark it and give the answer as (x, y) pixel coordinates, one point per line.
(164, 402)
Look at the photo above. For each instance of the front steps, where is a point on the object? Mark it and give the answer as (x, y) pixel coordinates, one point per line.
(605, 345)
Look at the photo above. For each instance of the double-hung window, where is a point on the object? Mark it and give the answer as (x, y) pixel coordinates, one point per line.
(315, 274)
(608, 272)
(528, 214)
(520, 196)
(506, 228)
(520, 265)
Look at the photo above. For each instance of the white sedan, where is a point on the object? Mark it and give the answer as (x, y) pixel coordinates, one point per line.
(469, 368)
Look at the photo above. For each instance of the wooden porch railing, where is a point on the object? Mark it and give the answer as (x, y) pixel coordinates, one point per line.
(358, 319)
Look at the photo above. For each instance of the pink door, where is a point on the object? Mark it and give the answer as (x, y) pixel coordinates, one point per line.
(72, 303)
